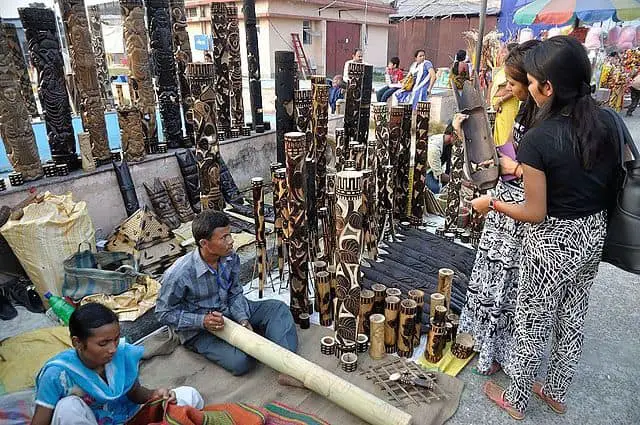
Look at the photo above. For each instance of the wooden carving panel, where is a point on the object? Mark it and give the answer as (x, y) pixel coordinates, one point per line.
(453, 193)
(88, 162)
(97, 43)
(235, 66)
(14, 50)
(15, 124)
(219, 32)
(178, 196)
(41, 33)
(131, 133)
(85, 76)
(140, 82)
(295, 145)
(162, 204)
(182, 56)
(349, 235)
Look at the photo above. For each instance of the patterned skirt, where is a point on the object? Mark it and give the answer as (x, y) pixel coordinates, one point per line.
(491, 296)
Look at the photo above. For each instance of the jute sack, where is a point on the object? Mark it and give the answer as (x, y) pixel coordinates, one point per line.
(48, 233)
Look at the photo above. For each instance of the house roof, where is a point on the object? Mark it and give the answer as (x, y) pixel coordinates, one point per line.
(441, 8)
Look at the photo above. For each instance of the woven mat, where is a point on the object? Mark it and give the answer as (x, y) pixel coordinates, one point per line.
(260, 386)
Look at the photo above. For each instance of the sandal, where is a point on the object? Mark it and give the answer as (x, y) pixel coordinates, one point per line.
(496, 394)
(556, 406)
(495, 368)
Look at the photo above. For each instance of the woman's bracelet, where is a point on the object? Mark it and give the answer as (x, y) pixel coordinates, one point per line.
(515, 172)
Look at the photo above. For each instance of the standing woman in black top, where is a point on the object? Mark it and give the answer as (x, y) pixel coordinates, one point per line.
(569, 160)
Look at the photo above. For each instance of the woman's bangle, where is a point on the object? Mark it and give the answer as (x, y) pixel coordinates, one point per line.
(515, 172)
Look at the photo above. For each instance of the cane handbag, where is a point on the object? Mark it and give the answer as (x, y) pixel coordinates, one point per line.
(88, 273)
(622, 245)
(408, 82)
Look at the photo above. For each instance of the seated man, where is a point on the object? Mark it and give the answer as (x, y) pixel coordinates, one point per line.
(439, 159)
(202, 288)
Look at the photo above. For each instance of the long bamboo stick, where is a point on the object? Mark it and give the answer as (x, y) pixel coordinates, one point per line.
(362, 404)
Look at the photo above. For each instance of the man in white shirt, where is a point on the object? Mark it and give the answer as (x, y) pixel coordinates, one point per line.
(356, 58)
(439, 159)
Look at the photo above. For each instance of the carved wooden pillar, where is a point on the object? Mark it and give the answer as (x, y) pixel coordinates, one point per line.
(88, 161)
(295, 145)
(182, 56)
(370, 222)
(85, 74)
(261, 243)
(253, 61)
(131, 133)
(164, 69)
(353, 99)
(403, 157)
(320, 117)
(219, 22)
(140, 83)
(302, 108)
(421, 162)
(455, 184)
(97, 43)
(14, 50)
(386, 198)
(349, 234)
(202, 83)
(382, 139)
(365, 105)
(235, 66)
(342, 149)
(279, 180)
(284, 79)
(42, 37)
(15, 124)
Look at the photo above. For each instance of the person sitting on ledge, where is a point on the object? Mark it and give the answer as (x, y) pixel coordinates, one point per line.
(202, 288)
(96, 382)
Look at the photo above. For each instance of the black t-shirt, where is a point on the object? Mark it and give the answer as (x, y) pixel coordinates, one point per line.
(572, 191)
(518, 124)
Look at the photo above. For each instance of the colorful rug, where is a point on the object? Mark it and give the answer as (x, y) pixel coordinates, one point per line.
(280, 414)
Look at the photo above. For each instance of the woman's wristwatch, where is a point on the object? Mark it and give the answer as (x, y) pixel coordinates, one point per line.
(492, 204)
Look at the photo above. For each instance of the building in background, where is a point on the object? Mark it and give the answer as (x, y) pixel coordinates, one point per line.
(435, 26)
(329, 31)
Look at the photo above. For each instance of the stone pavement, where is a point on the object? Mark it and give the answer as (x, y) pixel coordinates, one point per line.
(607, 383)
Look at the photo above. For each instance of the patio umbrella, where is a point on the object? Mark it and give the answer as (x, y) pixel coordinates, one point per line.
(561, 12)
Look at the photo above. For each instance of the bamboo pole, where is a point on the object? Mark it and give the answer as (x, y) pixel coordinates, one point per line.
(355, 400)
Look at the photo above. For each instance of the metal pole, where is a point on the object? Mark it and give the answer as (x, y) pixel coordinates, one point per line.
(483, 18)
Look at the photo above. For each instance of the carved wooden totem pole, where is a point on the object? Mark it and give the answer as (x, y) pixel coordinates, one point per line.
(403, 165)
(219, 32)
(201, 82)
(14, 51)
(353, 100)
(85, 75)
(253, 61)
(97, 43)
(295, 145)
(380, 117)
(342, 151)
(279, 180)
(15, 124)
(349, 234)
(41, 33)
(131, 133)
(261, 243)
(284, 79)
(420, 163)
(235, 66)
(182, 56)
(455, 184)
(320, 117)
(140, 83)
(164, 69)
(365, 105)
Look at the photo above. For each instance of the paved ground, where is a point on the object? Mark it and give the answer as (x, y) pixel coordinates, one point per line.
(606, 387)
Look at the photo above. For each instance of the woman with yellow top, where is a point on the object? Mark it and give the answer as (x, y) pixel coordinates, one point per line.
(504, 103)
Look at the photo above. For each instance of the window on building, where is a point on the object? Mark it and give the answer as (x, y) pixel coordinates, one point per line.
(203, 11)
(306, 32)
(192, 12)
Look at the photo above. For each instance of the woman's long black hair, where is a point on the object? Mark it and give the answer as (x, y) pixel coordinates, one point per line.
(514, 67)
(460, 57)
(563, 62)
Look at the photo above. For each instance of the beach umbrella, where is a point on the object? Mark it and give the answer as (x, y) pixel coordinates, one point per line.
(561, 12)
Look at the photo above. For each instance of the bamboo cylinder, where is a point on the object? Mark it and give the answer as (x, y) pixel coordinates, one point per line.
(393, 292)
(257, 184)
(376, 347)
(418, 296)
(406, 328)
(436, 299)
(333, 282)
(323, 289)
(445, 280)
(391, 311)
(435, 343)
(366, 309)
(439, 317)
(379, 291)
(346, 395)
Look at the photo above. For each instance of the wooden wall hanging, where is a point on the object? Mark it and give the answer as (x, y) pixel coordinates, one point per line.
(131, 133)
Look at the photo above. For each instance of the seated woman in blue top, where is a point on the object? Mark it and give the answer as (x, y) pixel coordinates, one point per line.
(96, 382)
(424, 77)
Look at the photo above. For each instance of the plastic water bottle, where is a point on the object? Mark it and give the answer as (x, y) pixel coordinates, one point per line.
(60, 307)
